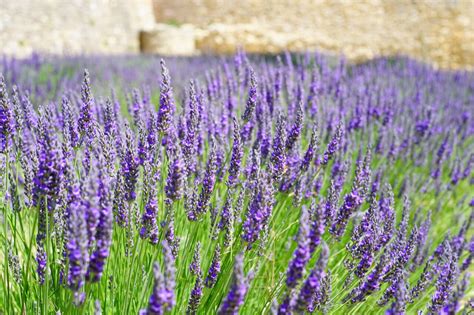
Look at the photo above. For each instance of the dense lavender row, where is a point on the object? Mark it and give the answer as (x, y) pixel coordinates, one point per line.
(286, 185)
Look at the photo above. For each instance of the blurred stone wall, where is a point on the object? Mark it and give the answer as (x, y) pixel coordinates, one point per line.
(72, 26)
(439, 31)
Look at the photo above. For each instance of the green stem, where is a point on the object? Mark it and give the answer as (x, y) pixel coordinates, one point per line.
(130, 270)
(5, 227)
(46, 278)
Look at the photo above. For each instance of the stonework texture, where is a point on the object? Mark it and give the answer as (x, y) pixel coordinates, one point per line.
(439, 31)
(72, 26)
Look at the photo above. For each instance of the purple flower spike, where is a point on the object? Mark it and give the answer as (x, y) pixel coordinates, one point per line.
(167, 106)
(86, 115)
(311, 291)
(77, 246)
(41, 260)
(238, 289)
(314, 91)
(311, 151)
(330, 203)
(237, 154)
(130, 167)
(70, 123)
(104, 229)
(196, 295)
(195, 266)
(49, 172)
(278, 157)
(295, 131)
(317, 226)
(334, 145)
(401, 298)
(208, 183)
(226, 223)
(302, 252)
(174, 187)
(6, 117)
(162, 297)
(352, 202)
(258, 212)
(445, 282)
(455, 300)
(252, 98)
(214, 269)
(119, 205)
(149, 229)
(192, 123)
(422, 282)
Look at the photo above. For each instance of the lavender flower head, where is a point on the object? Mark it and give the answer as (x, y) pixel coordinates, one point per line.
(311, 291)
(207, 183)
(78, 242)
(258, 211)
(6, 116)
(196, 296)
(41, 260)
(162, 297)
(129, 168)
(278, 157)
(351, 202)
(104, 228)
(49, 172)
(167, 106)
(238, 289)
(252, 98)
(401, 298)
(214, 269)
(334, 145)
(192, 123)
(317, 226)
(86, 115)
(174, 187)
(295, 130)
(302, 253)
(237, 154)
(149, 229)
(69, 122)
(195, 266)
(456, 297)
(312, 149)
(446, 280)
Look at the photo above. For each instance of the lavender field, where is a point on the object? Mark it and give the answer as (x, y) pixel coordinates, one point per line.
(244, 184)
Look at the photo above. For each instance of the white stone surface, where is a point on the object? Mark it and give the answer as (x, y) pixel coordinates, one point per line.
(72, 26)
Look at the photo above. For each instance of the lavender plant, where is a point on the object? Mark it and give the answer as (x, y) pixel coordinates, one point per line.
(235, 185)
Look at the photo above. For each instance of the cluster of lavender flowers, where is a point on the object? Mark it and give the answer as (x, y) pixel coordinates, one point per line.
(292, 184)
